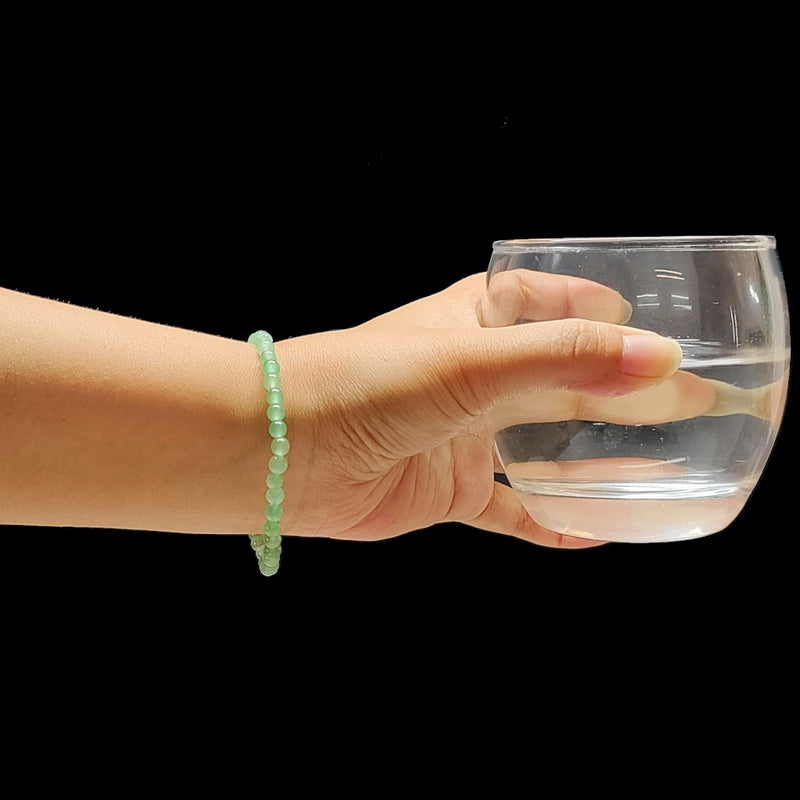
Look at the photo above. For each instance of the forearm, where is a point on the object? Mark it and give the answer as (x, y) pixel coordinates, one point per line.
(107, 421)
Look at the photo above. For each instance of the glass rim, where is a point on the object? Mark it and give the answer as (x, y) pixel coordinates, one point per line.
(635, 243)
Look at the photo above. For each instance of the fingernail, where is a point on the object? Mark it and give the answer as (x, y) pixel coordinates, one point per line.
(649, 356)
(603, 308)
(628, 312)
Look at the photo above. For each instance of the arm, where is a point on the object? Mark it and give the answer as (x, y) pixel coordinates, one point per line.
(112, 422)
(107, 421)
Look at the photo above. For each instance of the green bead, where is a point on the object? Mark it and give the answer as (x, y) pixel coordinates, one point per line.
(260, 338)
(267, 569)
(272, 528)
(271, 367)
(275, 413)
(258, 540)
(273, 543)
(270, 556)
(272, 381)
(277, 429)
(280, 447)
(278, 464)
(274, 481)
(273, 513)
(275, 496)
(275, 397)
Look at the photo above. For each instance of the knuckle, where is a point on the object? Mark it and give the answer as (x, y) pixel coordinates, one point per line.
(580, 339)
(508, 297)
(585, 341)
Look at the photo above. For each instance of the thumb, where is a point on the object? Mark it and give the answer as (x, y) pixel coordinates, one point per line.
(400, 390)
(484, 367)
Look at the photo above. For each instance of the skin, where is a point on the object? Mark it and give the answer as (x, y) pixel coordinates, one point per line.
(113, 422)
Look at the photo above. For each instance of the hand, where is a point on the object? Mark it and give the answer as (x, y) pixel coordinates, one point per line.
(391, 421)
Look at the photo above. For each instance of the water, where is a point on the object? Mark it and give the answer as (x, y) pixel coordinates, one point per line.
(652, 482)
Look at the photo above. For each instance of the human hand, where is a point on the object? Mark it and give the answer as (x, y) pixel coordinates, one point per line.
(392, 421)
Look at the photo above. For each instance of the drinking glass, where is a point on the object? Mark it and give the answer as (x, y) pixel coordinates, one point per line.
(678, 460)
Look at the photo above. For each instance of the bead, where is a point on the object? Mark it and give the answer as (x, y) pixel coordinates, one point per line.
(277, 429)
(280, 447)
(273, 513)
(271, 563)
(274, 481)
(275, 397)
(270, 556)
(275, 496)
(272, 381)
(267, 570)
(275, 412)
(258, 540)
(260, 339)
(278, 464)
(271, 367)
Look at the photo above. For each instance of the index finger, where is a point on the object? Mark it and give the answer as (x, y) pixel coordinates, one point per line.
(524, 295)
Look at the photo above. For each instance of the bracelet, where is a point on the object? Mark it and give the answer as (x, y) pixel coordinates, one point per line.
(267, 545)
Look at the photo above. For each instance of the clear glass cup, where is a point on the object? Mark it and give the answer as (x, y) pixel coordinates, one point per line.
(679, 460)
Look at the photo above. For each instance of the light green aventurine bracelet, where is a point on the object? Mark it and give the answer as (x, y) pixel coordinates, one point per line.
(267, 545)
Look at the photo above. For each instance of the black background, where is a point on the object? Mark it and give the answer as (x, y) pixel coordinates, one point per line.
(223, 175)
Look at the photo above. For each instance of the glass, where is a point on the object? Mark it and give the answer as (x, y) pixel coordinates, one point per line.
(679, 460)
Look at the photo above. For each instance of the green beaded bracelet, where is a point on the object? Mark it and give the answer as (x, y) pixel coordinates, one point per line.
(267, 545)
